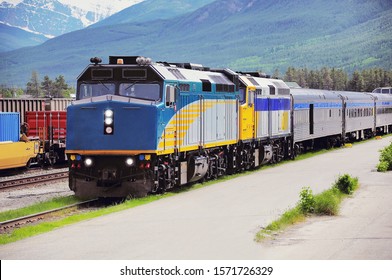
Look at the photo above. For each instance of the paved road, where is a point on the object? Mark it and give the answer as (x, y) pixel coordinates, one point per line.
(220, 221)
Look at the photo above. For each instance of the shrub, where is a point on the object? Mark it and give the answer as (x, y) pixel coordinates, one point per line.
(306, 202)
(385, 159)
(382, 166)
(327, 203)
(346, 184)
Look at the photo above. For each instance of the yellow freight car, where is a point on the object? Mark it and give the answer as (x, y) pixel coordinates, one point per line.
(17, 154)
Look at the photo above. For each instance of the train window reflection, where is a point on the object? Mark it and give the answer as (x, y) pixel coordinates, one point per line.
(92, 90)
(140, 91)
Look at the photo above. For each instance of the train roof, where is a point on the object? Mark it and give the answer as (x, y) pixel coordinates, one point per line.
(382, 96)
(303, 93)
(265, 84)
(383, 90)
(139, 68)
(352, 95)
(191, 75)
(306, 93)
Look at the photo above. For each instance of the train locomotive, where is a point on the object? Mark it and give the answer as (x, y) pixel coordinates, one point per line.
(139, 127)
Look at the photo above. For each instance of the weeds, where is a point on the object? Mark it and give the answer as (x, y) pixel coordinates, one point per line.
(307, 201)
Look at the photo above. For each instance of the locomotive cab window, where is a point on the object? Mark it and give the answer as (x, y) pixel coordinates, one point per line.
(170, 95)
(140, 91)
(98, 89)
(251, 97)
(242, 96)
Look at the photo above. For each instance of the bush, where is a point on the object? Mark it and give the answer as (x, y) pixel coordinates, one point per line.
(382, 166)
(346, 184)
(327, 203)
(385, 159)
(307, 201)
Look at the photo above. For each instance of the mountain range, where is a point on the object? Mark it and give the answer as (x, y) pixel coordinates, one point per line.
(38, 20)
(240, 34)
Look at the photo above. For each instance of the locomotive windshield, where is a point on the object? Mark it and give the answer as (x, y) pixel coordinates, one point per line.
(149, 91)
(140, 91)
(98, 89)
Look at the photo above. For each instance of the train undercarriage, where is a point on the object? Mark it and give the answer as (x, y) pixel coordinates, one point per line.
(137, 176)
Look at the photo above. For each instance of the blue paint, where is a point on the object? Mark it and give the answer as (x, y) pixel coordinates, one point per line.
(326, 105)
(272, 104)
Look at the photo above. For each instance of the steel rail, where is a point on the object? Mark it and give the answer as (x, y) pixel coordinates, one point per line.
(18, 222)
(33, 180)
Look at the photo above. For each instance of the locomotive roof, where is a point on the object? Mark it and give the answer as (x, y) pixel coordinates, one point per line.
(153, 71)
(191, 75)
(265, 84)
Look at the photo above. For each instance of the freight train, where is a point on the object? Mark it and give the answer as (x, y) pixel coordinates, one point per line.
(15, 151)
(139, 127)
(32, 131)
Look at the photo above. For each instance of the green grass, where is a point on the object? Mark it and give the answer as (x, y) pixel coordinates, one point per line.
(32, 230)
(326, 203)
(39, 207)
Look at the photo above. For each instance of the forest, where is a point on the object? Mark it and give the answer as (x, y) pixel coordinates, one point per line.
(37, 88)
(336, 79)
(325, 78)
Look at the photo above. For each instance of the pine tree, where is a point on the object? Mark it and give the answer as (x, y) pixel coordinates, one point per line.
(356, 83)
(290, 75)
(47, 87)
(59, 87)
(33, 87)
(327, 80)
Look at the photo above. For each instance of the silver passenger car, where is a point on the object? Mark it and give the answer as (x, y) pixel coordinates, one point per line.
(383, 112)
(359, 121)
(318, 116)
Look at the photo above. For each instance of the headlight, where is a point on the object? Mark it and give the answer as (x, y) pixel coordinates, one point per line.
(129, 161)
(108, 113)
(88, 162)
(108, 122)
(109, 130)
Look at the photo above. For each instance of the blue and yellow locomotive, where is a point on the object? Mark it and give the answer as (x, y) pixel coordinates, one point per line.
(139, 127)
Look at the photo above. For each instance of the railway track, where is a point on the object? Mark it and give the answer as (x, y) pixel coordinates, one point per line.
(10, 225)
(12, 183)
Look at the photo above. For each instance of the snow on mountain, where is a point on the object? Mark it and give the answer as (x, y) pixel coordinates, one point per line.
(96, 9)
(112, 6)
(55, 17)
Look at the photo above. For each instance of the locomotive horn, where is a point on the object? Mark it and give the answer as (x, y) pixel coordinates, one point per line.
(95, 60)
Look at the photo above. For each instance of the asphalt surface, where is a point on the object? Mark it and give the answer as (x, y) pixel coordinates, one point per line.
(221, 220)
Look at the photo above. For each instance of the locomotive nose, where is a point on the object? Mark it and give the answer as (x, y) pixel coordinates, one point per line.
(108, 177)
(108, 174)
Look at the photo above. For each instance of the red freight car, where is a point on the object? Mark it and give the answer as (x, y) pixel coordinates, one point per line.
(50, 128)
(47, 125)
